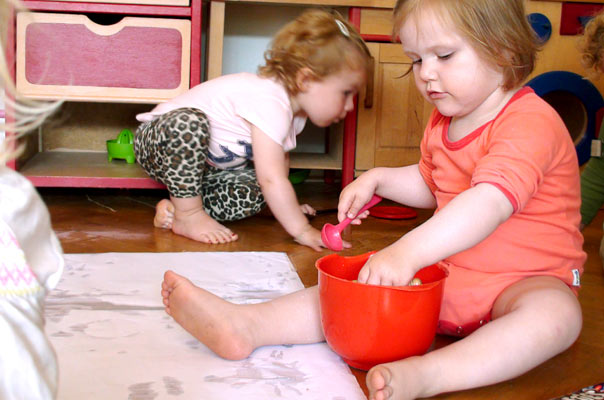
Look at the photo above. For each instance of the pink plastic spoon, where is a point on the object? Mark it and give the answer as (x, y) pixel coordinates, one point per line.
(330, 234)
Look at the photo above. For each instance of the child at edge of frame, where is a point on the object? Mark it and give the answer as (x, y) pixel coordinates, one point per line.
(592, 177)
(31, 257)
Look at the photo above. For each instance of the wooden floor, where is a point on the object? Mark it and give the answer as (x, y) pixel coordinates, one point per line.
(96, 221)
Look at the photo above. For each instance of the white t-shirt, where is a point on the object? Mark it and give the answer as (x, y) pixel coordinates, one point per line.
(231, 100)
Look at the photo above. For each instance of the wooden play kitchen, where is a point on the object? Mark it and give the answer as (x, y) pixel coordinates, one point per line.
(109, 60)
(72, 155)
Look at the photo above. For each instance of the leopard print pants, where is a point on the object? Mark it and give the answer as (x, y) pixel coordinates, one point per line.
(173, 149)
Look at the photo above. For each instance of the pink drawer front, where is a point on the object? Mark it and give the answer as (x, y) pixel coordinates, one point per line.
(144, 60)
(146, 2)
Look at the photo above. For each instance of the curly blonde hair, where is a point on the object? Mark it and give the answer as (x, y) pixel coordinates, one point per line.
(497, 29)
(591, 45)
(320, 40)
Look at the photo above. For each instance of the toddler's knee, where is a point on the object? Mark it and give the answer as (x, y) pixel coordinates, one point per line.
(567, 321)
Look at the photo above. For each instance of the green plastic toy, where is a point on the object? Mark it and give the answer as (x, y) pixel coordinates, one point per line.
(122, 147)
(297, 176)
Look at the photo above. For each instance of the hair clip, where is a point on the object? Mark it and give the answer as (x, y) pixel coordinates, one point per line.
(343, 28)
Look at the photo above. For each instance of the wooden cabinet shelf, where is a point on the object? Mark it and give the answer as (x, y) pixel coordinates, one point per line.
(84, 169)
(112, 80)
(315, 161)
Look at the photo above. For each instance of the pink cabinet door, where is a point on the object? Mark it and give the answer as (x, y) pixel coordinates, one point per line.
(143, 60)
(146, 2)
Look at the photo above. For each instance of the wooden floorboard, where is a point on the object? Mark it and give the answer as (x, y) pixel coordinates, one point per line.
(96, 221)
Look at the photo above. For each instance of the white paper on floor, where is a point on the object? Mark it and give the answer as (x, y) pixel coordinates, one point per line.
(114, 340)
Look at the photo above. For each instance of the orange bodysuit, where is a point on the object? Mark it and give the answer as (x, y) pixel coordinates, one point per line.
(528, 154)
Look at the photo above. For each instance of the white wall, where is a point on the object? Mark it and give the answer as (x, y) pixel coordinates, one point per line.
(248, 31)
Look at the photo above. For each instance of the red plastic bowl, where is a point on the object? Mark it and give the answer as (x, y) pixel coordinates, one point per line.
(368, 324)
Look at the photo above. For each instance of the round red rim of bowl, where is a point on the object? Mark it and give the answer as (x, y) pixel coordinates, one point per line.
(393, 212)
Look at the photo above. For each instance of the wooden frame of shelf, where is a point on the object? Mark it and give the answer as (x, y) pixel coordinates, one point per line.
(91, 168)
(331, 160)
(85, 169)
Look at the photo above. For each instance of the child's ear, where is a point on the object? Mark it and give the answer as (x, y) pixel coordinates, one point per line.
(303, 77)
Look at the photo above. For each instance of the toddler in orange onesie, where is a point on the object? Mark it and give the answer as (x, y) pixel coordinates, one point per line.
(501, 170)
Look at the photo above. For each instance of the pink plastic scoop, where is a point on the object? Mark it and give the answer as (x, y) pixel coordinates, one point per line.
(330, 234)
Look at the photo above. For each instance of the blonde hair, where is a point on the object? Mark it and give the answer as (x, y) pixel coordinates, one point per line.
(591, 45)
(29, 114)
(497, 29)
(322, 41)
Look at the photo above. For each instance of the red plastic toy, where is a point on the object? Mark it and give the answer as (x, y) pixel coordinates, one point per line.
(368, 324)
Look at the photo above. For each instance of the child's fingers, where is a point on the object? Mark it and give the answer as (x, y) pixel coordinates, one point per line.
(316, 246)
(348, 207)
(308, 210)
(343, 207)
(364, 274)
(356, 206)
(359, 218)
(310, 237)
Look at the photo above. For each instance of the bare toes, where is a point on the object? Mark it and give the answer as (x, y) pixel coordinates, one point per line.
(160, 222)
(164, 214)
(230, 236)
(207, 238)
(212, 237)
(378, 380)
(226, 237)
(219, 237)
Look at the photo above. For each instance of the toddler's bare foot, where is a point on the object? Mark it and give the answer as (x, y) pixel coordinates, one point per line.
(197, 225)
(398, 380)
(164, 214)
(221, 326)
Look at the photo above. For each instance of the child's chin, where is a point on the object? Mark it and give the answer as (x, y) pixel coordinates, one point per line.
(322, 124)
(446, 112)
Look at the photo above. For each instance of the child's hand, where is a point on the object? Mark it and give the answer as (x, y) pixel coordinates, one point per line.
(308, 210)
(353, 198)
(310, 237)
(346, 212)
(386, 268)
